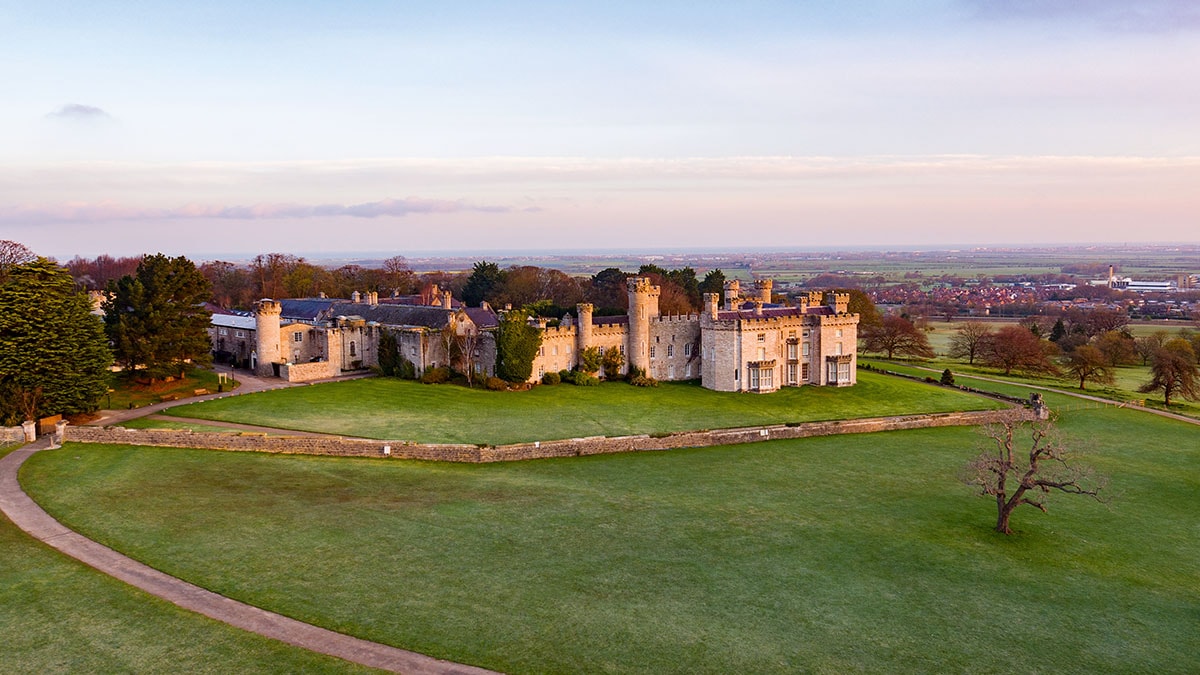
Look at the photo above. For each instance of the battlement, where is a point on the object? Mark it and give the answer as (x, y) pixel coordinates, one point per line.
(610, 329)
(268, 306)
(643, 285)
(552, 332)
(676, 318)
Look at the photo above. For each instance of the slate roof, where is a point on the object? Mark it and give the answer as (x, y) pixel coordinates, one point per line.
(234, 321)
(395, 315)
(307, 309)
(483, 318)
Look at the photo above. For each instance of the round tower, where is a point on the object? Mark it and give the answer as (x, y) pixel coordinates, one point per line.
(266, 323)
(583, 332)
(643, 306)
(764, 290)
(733, 291)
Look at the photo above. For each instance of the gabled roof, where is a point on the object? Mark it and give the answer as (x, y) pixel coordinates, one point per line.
(483, 317)
(396, 315)
(307, 309)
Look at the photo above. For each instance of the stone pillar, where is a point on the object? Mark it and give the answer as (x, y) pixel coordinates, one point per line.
(266, 321)
(30, 429)
(60, 432)
(447, 300)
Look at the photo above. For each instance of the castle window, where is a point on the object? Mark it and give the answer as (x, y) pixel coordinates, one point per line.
(622, 348)
(804, 372)
(297, 337)
(792, 334)
(601, 351)
(541, 351)
(238, 333)
(223, 331)
(762, 337)
(843, 372)
(555, 350)
(791, 350)
(670, 351)
(656, 338)
(791, 373)
(736, 372)
(832, 375)
(687, 349)
(805, 349)
(837, 348)
(651, 351)
(413, 351)
(352, 351)
(837, 333)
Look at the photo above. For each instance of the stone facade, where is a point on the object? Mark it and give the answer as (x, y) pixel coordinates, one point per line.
(749, 345)
(318, 338)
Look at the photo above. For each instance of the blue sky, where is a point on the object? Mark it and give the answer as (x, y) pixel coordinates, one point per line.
(131, 127)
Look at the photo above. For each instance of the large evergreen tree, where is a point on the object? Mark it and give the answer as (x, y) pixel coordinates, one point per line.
(53, 356)
(486, 278)
(156, 318)
(517, 344)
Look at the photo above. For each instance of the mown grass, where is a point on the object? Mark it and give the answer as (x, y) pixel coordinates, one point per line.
(127, 392)
(851, 553)
(402, 410)
(60, 616)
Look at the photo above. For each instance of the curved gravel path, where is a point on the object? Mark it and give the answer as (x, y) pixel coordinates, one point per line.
(30, 517)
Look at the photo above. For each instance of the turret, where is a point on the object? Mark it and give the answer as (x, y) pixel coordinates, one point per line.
(372, 298)
(733, 291)
(583, 334)
(446, 299)
(839, 302)
(712, 304)
(764, 290)
(356, 297)
(643, 306)
(266, 324)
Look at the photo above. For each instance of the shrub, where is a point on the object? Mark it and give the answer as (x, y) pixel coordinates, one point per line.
(551, 378)
(947, 377)
(643, 381)
(634, 373)
(930, 380)
(585, 380)
(436, 375)
(496, 384)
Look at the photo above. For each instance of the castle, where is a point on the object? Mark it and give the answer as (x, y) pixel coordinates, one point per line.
(745, 343)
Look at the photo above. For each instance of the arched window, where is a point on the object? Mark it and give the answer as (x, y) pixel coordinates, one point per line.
(352, 348)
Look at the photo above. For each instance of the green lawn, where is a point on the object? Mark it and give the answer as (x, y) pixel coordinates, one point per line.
(60, 616)
(177, 424)
(401, 410)
(125, 392)
(849, 553)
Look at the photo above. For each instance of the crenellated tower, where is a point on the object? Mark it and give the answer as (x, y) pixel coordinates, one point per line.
(765, 286)
(733, 293)
(266, 324)
(643, 306)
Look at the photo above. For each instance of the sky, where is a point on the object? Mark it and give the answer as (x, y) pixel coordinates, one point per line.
(236, 127)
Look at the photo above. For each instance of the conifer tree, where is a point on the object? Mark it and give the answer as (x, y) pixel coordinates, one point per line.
(156, 317)
(53, 353)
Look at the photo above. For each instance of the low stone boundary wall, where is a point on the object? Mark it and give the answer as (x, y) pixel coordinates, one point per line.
(12, 435)
(573, 447)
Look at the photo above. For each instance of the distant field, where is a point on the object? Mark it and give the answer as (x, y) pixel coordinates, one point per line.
(393, 409)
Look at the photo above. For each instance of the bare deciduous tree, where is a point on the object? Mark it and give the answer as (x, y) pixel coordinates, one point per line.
(12, 254)
(970, 341)
(1004, 474)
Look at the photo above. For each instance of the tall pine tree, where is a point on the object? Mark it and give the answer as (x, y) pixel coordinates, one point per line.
(156, 317)
(53, 354)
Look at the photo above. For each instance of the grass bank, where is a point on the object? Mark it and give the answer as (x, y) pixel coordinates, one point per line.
(852, 553)
(394, 409)
(60, 616)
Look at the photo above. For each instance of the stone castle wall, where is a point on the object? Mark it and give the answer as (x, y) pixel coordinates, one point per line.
(307, 372)
(671, 340)
(575, 447)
